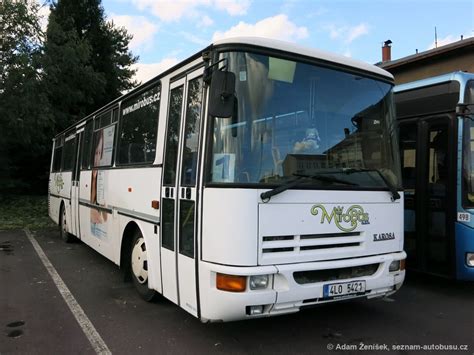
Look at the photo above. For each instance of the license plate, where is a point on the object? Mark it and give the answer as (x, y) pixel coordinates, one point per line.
(342, 289)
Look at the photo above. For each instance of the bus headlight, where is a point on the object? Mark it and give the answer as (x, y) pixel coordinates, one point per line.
(394, 266)
(258, 282)
(470, 259)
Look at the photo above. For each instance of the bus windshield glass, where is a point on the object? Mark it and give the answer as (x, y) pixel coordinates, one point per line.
(292, 118)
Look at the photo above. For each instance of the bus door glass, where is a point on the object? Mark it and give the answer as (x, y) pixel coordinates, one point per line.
(187, 193)
(408, 156)
(169, 192)
(76, 173)
(437, 236)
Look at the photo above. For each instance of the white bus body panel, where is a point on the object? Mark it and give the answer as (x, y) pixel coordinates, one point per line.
(229, 229)
(228, 240)
(122, 188)
(60, 191)
(284, 295)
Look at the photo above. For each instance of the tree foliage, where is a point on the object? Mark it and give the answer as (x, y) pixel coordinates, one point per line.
(25, 123)
(50, 80)
(86, 62)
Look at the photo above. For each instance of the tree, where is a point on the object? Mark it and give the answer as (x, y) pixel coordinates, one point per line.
(25, 123)
(87, 62)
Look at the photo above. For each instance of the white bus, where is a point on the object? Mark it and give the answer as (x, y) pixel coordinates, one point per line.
(256, 178)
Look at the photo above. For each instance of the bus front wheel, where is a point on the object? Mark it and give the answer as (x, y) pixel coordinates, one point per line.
(139, 267)
(63, 228)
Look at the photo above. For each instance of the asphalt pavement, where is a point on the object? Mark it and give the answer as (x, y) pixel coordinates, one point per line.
(428, 315)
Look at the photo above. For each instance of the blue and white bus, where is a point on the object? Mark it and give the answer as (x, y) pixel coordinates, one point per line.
(436, 124)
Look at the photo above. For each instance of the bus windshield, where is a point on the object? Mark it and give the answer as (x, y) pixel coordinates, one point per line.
(292, 118)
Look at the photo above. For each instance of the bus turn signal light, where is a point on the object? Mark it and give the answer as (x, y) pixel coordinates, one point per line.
(155, 204)
(231, 283)
(402, 264)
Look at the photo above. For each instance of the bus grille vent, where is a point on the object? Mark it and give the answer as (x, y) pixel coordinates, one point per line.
(313, 276)
(310, 242)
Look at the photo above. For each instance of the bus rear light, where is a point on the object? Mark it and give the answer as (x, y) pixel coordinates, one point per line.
(231, 283)
(470, 259)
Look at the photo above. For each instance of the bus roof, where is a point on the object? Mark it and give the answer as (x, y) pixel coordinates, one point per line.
(305, 51)
(459, 76)
(433, 95)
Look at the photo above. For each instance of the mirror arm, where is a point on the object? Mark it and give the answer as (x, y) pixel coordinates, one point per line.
(210, 69)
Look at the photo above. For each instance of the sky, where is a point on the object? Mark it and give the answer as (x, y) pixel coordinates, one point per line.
(168, 31)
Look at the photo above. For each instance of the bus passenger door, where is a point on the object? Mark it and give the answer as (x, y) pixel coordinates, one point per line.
(428, 169)
(187, 193)
(76, 173)
(437, 207)
(169, 273)
(408, 156)
(178, 207)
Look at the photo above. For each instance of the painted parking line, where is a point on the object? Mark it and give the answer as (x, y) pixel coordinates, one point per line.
(86, 325)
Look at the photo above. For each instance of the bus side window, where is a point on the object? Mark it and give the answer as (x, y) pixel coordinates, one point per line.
(86, 147)
(58, 154)
(68, 154)
(191, 136)
(102, 152)
(103, 139)
(138, 126)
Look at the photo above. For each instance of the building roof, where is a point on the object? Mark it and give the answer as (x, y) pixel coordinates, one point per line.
(461, 44)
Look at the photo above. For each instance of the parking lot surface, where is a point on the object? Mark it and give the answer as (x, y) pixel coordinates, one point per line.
(35, 319)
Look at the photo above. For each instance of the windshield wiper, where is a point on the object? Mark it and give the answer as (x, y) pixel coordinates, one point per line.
(391, 187)
(265, 196)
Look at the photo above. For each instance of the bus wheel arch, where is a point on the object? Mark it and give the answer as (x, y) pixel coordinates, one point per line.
(133, 259)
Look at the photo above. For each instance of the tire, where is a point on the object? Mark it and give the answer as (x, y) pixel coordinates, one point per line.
(65, 235)
(139, 267)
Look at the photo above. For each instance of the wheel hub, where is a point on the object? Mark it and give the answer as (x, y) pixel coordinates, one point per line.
(140, 261)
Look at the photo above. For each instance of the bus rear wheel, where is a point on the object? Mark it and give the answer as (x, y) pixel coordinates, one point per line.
(139, 268)
(63, 228)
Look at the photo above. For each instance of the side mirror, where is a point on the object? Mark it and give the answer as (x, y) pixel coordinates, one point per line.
(221, 94)
(465, 110)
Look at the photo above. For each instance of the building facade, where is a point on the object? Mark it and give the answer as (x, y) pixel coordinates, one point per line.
(456, 56)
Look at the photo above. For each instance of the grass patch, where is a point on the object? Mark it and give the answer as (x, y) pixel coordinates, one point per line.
(17, 212)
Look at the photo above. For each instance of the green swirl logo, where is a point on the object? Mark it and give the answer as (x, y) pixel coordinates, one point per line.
(346, 221)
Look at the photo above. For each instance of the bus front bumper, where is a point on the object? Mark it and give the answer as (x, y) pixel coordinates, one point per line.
(284, 294)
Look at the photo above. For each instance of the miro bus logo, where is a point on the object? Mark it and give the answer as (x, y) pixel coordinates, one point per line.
(346, 221)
